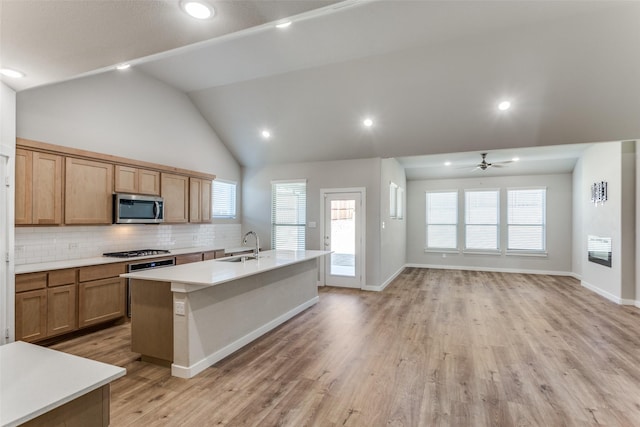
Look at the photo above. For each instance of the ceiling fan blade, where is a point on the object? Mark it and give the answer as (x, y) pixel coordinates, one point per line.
(497, 165)
(503, 163)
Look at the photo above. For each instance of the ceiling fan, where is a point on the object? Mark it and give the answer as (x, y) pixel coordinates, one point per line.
(484, 165)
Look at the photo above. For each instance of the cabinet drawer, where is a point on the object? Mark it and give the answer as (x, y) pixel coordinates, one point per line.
(62, 277)
(212, 255)
(187, 258)
(101, 272)
(31, 281)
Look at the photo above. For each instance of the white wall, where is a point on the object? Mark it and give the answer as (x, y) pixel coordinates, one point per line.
(559, 202)
(7, 197)
(330, 174)
(614, 163)
(393, 231)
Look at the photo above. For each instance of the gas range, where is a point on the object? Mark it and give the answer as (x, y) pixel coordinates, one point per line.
(135, 253)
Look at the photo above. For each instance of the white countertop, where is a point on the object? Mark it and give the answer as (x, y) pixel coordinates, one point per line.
(35, 380)
(215, 272)
(83, 262)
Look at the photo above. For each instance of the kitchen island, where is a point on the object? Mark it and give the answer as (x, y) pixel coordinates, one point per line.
(191, 316)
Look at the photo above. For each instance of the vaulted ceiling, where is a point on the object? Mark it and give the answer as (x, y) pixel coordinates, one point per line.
(428, 73)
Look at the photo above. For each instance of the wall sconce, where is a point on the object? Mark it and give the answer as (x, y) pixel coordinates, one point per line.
(599, 192)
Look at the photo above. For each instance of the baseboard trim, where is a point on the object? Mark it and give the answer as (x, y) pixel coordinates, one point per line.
(492, 269)
(201, 365)
(386, 283)
(609, 295)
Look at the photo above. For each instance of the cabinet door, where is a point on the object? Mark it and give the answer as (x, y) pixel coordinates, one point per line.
(175, 191)
(206, 200)
(88, 192)
(61, 309)
(148, 182)
(126, 179)
(195, 200)
(24, 187)
(212, 255)
(47, 188)
(100, 300)
(31, 315)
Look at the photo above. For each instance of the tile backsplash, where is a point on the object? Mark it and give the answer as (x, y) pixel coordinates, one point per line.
(46, 244)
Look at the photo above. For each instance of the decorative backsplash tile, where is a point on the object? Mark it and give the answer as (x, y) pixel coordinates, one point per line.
(46, 244)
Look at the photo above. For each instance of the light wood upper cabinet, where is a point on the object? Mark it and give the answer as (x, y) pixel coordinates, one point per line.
(199, 200)
(206, 200)
(175, 191)
(195, 200)
(88, 192)
(38, 188)
(136, 180)
(24, 187)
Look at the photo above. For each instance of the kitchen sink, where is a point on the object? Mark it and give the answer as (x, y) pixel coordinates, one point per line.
(241, 258)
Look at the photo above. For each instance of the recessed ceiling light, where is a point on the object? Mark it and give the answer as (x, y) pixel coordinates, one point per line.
(447, 163)
(367, 122)
(504, 105)
(266, 134)
(11, 73)
(123, 67)
(284, 24)
(515, 159)
(198, 10)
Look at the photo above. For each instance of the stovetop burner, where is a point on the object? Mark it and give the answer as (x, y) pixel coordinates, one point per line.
(135, 253)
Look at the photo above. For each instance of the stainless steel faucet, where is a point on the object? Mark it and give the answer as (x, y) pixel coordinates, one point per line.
(244, 242)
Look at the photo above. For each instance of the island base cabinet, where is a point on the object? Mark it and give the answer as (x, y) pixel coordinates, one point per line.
(152, 320)
(100, 300)
(89, 410)
(31, 315)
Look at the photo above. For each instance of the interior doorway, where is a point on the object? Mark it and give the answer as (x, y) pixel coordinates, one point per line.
(342, 231)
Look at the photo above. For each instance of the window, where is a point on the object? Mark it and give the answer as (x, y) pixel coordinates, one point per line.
(526, 219)
(481, 219)
(442, 220)
(288, 214)
(393, 200)
(223, 194)
(400, 204)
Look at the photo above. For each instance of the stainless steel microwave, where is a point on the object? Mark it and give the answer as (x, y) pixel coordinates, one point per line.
(137, 209)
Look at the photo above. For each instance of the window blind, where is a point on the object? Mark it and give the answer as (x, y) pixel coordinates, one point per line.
(481, 219)
(442, 220)
(288, 214)
(526, 218)
(223, 194)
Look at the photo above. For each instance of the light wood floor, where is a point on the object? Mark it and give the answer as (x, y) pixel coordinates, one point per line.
(436, 348)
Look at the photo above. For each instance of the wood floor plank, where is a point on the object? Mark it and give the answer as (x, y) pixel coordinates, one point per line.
(436, 348)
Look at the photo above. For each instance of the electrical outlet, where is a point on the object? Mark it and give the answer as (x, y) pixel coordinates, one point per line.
(73, 246)
(179, 308)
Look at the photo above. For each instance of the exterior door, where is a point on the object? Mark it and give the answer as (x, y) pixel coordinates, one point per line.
(342, 234)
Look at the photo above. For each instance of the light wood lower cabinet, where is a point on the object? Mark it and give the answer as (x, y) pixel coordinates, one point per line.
(61, 310)
(188, 258)
(31, 315)
(100, 300)
(57, 302)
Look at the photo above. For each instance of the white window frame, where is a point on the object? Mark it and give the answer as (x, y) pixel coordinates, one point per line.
(428, 248)
(532, 252)
(301, 224)
(228, 203)
(484, 251)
